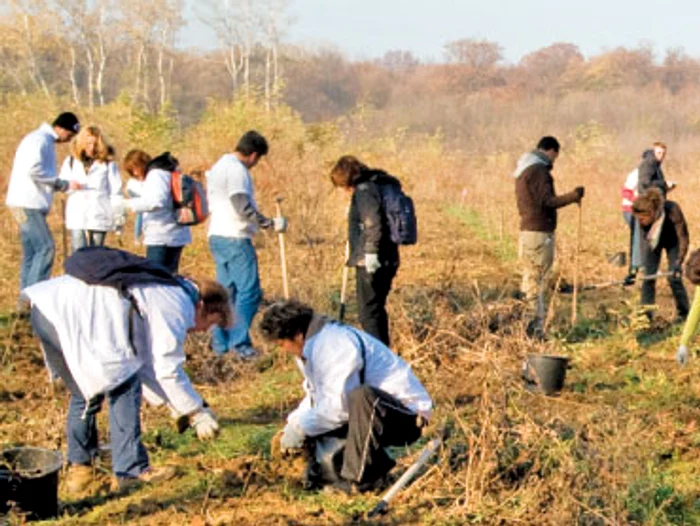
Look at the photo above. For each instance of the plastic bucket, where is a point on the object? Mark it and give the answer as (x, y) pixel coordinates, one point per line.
(545, 373)
(29, 478)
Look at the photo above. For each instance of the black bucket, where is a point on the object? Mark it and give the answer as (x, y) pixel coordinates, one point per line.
(29, 478)
(545, 373)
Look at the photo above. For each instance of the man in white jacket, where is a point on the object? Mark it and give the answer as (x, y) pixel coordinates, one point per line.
(104, 345)
(30, 192)
(356, 387)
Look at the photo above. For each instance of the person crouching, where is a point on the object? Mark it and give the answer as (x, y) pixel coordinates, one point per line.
(356, 388)
(663, 228)
(105, 346)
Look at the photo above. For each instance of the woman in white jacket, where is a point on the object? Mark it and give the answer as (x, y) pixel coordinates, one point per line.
(105, 347)
(89, 214)
(163, 236)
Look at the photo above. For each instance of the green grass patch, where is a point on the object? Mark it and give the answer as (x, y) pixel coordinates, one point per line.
(503, 247)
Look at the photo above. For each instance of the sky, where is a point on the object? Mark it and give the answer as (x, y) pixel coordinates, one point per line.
(366, 29)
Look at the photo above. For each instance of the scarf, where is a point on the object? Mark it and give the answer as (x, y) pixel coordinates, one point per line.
(654, 234)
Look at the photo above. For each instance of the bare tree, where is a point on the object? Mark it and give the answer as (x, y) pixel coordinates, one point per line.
(28, 15)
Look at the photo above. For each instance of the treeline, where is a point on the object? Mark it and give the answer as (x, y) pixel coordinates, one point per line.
(93, 52)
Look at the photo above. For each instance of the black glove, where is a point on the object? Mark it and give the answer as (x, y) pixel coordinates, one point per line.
(580, 192)
(629, 279)
(677, 272)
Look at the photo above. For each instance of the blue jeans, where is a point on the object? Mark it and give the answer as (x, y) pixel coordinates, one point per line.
(237, 270)
(164, 255)
(635, 241)
(86, 238)
(37, 247)
(129, 457)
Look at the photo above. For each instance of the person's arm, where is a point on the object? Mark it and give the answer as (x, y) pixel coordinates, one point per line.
(691, 322)
(336, 367)
(156, 193)
(368, 201)
(542, 190)
(681, 227)
(168, 330)
(244, 207)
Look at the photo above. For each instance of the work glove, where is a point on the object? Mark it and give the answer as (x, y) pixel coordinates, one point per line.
(372, 263)
(677, 272)
(292, 437)
(682, 355)
(580, 192)
(205, 424)
(629, 279)
(279, 224)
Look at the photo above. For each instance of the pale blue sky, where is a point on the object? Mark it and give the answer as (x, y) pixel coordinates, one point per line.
(369, 28)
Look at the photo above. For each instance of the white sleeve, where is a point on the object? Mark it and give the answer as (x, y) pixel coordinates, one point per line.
(42, 162)
(336, 369)
(237, 180)
(66, 172)
(115, 180)
(156, 193)
(168, 330)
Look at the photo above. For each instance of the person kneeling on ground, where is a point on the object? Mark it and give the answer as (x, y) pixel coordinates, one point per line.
(104, 345)
(663, 227)
(356, 388)
(692, 272)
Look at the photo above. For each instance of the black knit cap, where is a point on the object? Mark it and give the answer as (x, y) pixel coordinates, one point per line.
(68, 121)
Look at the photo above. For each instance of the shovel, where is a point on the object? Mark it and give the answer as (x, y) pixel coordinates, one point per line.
(344, 284)
(597, 286)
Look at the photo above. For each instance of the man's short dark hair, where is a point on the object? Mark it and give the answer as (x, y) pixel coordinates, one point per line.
(252, 142)
(283, 320)
(548, 143)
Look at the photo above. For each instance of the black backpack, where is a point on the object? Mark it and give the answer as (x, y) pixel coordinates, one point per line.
(120, 269)
(400, 214)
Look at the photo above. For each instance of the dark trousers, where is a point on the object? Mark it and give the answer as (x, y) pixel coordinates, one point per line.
(167, 256)
(376, 420)
(372, 291)
(652, 260)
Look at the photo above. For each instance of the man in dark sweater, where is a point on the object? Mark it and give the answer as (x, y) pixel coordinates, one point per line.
(537, 205)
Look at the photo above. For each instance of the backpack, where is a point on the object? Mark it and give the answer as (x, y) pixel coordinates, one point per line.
(120, 269)
(400, 214)
(190, 199)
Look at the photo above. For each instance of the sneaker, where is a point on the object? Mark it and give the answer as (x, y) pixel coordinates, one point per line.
(150, 476)
(78, 479)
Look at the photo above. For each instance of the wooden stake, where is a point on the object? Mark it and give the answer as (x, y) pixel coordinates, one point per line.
(344, 284)
(574, 300)
(283, 257)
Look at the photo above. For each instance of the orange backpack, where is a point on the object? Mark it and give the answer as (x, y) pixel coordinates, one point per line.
(190, 199)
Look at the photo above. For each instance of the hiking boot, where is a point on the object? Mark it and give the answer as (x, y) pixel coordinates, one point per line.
(150, 476)
(78, 479)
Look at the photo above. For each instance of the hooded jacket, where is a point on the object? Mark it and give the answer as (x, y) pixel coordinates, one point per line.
(368, 228)
(534, 192)
(650, 174)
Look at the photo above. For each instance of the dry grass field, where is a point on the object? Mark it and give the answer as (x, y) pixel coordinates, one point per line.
(620, 445)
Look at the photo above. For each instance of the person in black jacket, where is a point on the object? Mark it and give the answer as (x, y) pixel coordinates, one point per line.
(663, 227)
(650, 173)
(372, 252)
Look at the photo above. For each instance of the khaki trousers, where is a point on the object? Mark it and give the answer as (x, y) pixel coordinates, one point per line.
(537, 258)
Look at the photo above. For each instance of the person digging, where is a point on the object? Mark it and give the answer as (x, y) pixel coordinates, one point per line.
(360, 398)
(663, 228)
(107, 348)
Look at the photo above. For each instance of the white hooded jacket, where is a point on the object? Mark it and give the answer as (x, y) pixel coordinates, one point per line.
(92, 323)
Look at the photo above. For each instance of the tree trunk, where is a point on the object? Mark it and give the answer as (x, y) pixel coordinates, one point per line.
(73, 76)
(36, 75)
(268, 68)
(91, 76)
(139, 68)
(161, 70)
(101, 69)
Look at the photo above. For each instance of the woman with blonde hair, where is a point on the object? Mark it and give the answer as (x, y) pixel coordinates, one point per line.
(89, 212)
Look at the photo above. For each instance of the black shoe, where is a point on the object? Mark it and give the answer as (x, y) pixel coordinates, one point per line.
(312, 479)
(535, 332)
(629, 279)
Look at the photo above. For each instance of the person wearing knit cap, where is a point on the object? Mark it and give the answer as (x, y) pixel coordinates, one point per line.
(30, 193)
(692, 272)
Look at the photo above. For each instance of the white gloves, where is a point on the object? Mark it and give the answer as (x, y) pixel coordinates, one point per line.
(118, 211)
(682, 355)
(292, 437)
(205, 424)
(372, 263)
(279, 224)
